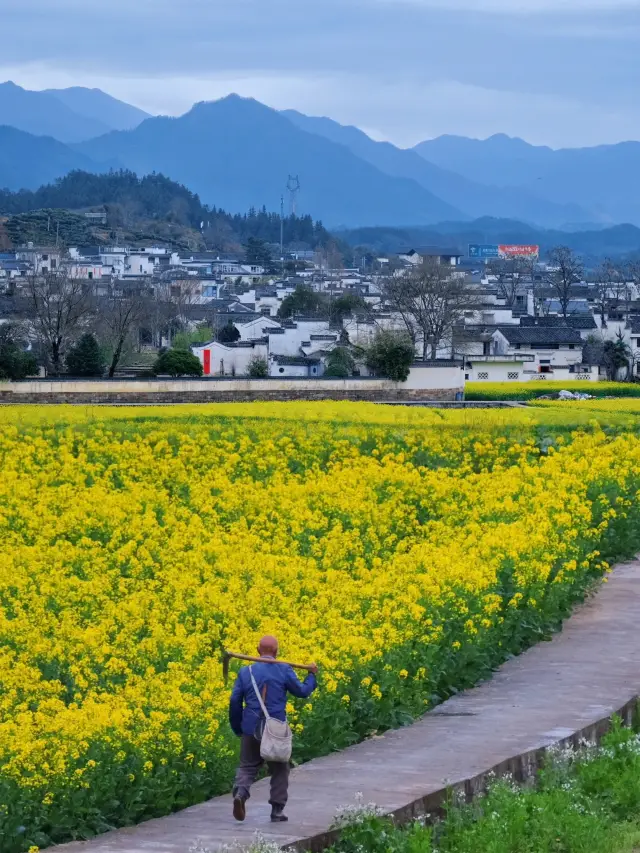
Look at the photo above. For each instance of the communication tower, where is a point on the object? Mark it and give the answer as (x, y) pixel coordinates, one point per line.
(293, 187)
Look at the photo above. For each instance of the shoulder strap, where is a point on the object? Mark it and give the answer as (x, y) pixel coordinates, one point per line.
(255, 687)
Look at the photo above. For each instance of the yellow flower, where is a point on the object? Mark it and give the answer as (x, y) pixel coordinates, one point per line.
(403, 673)
(346, 699)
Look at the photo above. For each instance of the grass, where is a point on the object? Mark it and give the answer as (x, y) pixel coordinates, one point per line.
(532, 390)
(585, 801)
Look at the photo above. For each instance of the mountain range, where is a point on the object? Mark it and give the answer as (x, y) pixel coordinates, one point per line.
(237, 153)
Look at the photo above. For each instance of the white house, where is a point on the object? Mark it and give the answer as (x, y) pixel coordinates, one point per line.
(448, 256)
(229, 359)
(557, 350)
(255, 327)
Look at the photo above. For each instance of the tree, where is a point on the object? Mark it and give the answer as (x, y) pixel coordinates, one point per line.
(60, 305)
(430, 299)
(616, 354)
(340, 363)
(256, 253)
(198, 336)
(304, 301)
(346, 305)
(611, 287)
(565, 272)
(120, 316)
(178, 362)
(258, 367)
(391, 354)
(227, 334)
(15, 363)
(510, 274)
(85, 358)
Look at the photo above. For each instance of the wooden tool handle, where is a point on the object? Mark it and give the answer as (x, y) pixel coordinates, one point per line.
(307, 666)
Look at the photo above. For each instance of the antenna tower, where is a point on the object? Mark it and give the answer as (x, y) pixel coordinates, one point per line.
(293, 187)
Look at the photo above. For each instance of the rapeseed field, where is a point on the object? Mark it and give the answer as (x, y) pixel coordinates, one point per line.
(407, 551)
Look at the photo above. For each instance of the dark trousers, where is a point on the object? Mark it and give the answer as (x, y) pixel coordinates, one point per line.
(250, 763)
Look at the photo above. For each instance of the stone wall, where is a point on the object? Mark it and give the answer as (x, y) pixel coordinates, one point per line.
(433, 383)
(226, 396)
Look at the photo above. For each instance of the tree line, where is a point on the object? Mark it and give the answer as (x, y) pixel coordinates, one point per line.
(128, 199)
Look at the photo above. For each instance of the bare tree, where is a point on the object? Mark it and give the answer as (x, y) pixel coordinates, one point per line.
(120, 316)
(566, 271)
(431, 299)
(60, 306)
(511, 274)
(611, 288)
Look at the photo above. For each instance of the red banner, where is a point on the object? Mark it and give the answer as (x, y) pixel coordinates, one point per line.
(519, 251)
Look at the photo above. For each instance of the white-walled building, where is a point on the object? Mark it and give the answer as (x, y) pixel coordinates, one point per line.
(229, 359)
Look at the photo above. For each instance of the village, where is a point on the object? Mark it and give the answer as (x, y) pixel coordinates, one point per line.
(513, 319)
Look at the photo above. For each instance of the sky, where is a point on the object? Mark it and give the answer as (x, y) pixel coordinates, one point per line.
(555, 72)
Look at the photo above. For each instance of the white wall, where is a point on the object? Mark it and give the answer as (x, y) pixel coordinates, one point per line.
(226, 361)
(254, 329)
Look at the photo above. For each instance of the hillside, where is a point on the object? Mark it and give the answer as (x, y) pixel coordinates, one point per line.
(99, 106)
(604, 181)
(472, 197)
(238, 153)
(148, 209)
(28, 161)
(43, 114)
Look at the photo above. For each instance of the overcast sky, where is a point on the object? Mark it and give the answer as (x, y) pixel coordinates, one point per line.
(555, 72)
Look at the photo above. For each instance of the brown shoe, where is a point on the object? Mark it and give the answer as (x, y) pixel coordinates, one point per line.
(239, 811)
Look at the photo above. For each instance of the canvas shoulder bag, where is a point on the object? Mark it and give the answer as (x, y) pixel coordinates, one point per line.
(277, 737)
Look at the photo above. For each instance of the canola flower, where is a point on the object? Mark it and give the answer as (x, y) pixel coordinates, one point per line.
(407, 551)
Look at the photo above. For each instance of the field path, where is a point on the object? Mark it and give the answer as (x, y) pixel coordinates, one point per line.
(556, 691)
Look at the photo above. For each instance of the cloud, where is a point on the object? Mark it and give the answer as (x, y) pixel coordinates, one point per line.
(397, 67)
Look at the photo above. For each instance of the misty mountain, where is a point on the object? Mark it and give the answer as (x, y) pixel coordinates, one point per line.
(42, 114)
(472, 197)
(100, 107)
(237, 153)
(619, 241)
(604, 180)
(27, 161)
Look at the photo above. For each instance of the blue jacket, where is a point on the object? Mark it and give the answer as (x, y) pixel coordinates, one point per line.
(245, 713)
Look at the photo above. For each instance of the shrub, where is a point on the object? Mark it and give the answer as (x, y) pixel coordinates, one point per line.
(178, 362)
(258, 368)
(391, 354)
(340, 363)
(85, 358)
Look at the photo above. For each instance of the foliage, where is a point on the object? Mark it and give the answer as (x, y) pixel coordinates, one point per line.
(177, 362)
(304, 301)
(258, 368)
(194, 337)
(227, 334)
(85, 358)
(128, 199)
(535, 389)
(585, 801)
(616, 356)
(121, 537)
(391, 354)
(340, 363)
(15, 362)
(256, 252)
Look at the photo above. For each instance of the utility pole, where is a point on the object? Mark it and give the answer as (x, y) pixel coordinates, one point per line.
(282, 233)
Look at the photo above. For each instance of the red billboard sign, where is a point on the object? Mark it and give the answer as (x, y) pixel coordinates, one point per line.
(519, 251)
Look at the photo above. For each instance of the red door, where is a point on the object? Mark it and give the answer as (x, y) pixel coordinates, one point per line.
(207, 362)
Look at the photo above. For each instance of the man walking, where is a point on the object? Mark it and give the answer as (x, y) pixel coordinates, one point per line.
(273, 680)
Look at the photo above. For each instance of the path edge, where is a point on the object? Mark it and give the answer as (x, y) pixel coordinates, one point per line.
(522, 767)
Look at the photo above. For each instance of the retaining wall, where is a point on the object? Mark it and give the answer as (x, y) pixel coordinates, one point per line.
(440, 384)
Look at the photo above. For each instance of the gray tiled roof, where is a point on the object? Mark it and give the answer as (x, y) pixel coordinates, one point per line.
(539, 336)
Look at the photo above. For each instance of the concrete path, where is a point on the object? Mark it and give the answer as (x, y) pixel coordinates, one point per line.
(549, 694)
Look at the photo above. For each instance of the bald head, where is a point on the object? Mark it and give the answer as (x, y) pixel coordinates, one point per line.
(268, 646)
